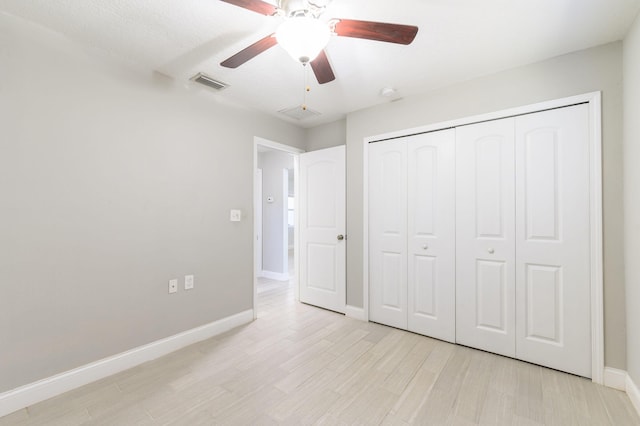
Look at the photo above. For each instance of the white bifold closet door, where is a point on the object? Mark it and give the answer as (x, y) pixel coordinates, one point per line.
(553, 295)
(412, 233)
(431, 234)
(388, 232)
(485, 236)
(522, 217)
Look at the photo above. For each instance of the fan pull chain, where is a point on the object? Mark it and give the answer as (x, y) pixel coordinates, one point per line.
(307, 88)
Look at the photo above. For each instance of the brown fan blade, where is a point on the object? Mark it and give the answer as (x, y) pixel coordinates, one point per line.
(322, 68)
(379, 31)
(250, 52)
(254, 5)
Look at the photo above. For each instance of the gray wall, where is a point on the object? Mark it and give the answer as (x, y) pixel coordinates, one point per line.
(110, 185)
(326, 135)
(632, 196)
(275, 240)
(580, 72)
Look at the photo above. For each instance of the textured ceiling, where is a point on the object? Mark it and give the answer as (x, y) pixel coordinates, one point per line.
(458, 40)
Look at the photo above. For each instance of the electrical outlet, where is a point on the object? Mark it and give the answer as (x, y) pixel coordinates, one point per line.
(188, 282)
(173, 286)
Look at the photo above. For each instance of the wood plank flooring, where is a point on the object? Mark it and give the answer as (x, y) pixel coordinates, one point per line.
(300, 365)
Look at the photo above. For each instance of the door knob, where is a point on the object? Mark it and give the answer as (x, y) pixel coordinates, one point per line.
(425, 247)
(340, 237)
(491, 250)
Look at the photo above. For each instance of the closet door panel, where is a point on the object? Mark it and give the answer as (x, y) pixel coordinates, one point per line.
(552, 239)
(485, 236)
(388, 232)
(431, 234)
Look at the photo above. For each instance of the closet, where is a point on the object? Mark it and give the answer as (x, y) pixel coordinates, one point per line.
(480, 235)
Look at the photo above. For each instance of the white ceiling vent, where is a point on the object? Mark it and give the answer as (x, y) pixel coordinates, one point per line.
(299, 113)
(209, 82)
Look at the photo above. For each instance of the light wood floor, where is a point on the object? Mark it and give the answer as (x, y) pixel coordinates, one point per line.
(301, 365)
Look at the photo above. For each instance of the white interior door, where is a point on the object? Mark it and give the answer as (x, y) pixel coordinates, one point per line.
(431, 234)
(485, 236)
(322, 209)
(552, 270)
(388, 233)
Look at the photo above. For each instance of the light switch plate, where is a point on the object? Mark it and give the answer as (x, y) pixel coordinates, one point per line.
(188, 282)
(173, 286)
(235, 215)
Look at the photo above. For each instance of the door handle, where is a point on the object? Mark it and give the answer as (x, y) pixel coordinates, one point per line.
(340, 237)
(491, 251)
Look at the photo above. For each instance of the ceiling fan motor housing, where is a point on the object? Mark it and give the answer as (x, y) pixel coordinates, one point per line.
(311, 8)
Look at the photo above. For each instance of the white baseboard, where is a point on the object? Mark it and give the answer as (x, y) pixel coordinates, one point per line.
(274, 275)
(33, 393)
(614, 378)
(620, 380)
(634, 393)
(354, 312)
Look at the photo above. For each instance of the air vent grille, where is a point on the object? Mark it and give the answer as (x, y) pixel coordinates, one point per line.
(299, 113)
(209, 82)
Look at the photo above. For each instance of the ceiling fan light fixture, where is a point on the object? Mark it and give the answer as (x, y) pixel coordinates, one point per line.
(303, 37)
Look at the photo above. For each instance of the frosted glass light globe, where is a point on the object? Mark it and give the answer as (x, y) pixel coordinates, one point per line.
(303, 37)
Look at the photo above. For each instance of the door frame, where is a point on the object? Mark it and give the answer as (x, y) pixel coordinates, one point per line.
(257, 221)
(295, 152)
(594, 101)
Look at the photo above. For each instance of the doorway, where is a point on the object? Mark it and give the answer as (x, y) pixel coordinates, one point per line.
(275, 192)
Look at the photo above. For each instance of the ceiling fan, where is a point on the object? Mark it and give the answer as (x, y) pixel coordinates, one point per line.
(304, 35)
